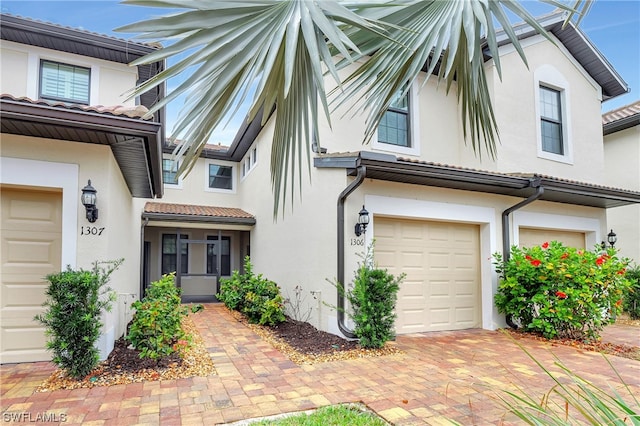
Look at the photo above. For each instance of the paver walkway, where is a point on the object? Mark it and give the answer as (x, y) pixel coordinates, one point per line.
(447, 375)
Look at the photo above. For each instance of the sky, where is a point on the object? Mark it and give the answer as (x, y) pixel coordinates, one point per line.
(613, 26)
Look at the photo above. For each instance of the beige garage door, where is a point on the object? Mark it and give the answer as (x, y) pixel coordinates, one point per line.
(530, 237)
(441, 261)
(31, 240)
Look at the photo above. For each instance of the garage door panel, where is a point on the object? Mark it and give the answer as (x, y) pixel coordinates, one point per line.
(31, 243)
(21, 293)
(529, 237)
(442, 287)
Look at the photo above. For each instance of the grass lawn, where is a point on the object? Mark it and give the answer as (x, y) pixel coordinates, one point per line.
(350, 415)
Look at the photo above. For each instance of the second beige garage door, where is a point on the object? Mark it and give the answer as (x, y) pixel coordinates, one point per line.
(31, 241)
(530, 237)
(441, 260)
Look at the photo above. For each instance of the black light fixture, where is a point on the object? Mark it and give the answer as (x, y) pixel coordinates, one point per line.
(89, 198)
(612, 238)
(363, 221)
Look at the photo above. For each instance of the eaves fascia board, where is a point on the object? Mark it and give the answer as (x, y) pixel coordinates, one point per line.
(577, 188)
(76, 35)
(622, 124)
(104, 122)
(165, 217)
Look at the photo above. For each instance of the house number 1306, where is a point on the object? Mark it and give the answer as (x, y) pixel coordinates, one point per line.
(357, 241)
(91, 230)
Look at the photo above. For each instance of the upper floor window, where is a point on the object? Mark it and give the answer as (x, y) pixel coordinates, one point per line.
(220, 178)
(249, 162)
(64, 82)
(170, 172)
(394, 127)
(551, 121)
(553, 115)
(398, 130)
(170, 254)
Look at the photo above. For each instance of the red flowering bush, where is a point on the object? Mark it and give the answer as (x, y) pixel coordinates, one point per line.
(560, 291)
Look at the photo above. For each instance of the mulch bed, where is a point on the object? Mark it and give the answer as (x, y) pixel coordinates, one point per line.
(302, 343)
(124, 365)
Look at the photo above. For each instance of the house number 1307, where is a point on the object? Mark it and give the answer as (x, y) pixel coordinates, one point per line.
(91, 230)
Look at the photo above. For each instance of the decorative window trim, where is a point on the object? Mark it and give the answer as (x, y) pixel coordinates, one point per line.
(234, 179)
(248, 163)
(41, 95)
(414, 128)
(171, 185)
(547, 76)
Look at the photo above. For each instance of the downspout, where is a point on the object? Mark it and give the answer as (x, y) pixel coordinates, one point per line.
(144, 223)
(362, 173)
(506, 242)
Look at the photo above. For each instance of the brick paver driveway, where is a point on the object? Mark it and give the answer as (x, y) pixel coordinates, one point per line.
(448, 375)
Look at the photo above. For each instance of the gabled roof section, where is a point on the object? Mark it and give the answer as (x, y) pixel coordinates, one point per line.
(196, 213)
(135, 143)
(621, 118)
(389, 168)
(580, 47)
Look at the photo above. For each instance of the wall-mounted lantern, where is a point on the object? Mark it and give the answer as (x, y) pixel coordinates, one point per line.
(89, 198)
(612, 238)
(363, 221)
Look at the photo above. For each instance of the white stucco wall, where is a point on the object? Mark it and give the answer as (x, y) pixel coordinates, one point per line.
(516, 103)
(109, 80)
(117, 230)
(622, 162)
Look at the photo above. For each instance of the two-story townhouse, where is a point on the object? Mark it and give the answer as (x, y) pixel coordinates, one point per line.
(436, 211)
(621, 130)
(66, 128)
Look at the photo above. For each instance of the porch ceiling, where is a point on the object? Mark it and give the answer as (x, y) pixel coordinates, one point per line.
(389, 168)
(195, 214)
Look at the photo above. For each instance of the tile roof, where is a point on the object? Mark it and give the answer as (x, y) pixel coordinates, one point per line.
(154, 45)
(136, 111)
(621, 113)
(194, 210)
(517, 174)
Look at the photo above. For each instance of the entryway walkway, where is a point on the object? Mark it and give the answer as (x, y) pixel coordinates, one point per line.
(446, 375)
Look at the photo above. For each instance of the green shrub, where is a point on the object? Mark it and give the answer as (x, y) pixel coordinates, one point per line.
(156, 328)
(75, 301)
(256, 297)
(560, 291)
(373, 299)
(632, 298)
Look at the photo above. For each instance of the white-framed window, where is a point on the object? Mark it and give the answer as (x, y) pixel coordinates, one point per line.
(170, 172)
(219, 177)
(249, 162)
(551, 120)
(553, 124)
(398, 131)
(64, 82)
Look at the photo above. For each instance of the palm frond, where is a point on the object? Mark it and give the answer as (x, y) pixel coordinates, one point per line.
(278, 48)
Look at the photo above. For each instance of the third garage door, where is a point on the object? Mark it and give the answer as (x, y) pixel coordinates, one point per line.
(441, 290)
(530, 237)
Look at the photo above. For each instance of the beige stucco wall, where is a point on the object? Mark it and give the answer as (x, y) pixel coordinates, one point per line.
(515, 106)
(117, 230)
(622, 161)
(109, 80)
(299, 248)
